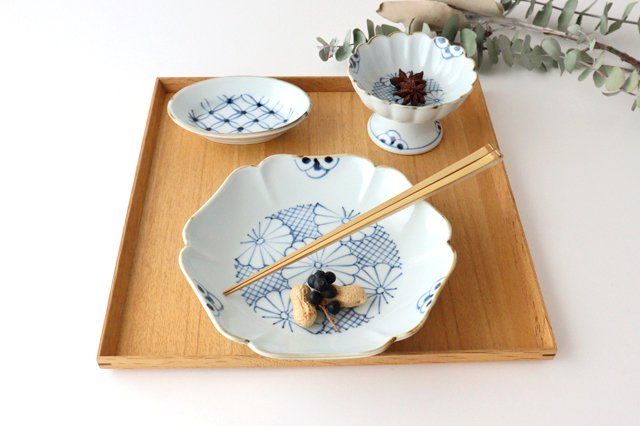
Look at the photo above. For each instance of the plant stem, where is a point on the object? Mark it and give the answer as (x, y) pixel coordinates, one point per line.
(518, 23)
(583, 14)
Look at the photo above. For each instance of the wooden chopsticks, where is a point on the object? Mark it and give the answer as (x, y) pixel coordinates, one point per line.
(468, 166)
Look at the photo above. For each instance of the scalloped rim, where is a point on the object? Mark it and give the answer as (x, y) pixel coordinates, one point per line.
(292, 356)
(240, 136)
(357, 85)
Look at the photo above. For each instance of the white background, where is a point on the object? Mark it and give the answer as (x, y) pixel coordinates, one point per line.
(76, 83)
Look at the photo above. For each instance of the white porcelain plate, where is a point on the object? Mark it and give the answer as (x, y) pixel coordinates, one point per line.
(261, 213)
(239, 110)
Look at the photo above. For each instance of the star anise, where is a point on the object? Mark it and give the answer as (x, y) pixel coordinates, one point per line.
(410, 87)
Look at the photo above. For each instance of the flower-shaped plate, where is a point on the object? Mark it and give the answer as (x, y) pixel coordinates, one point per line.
(261, 213)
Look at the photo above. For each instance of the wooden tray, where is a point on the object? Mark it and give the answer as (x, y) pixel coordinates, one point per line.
(490, 309)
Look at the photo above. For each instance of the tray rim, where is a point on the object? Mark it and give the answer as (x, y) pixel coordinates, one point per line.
(109, 338)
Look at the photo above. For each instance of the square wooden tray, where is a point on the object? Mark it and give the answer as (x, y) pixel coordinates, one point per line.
(490, 309)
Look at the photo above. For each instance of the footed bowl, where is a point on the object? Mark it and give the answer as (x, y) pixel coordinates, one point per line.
(261, 213)
(449, 76)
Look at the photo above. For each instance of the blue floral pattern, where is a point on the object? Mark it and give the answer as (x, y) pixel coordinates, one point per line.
(327, 220)
(427, 298)
(380, 282)
(243, 113)
(265, 243)
(393, 139)
(213, 303)
(448, 50)
(354, 63)
(317, 167)
(371, 260)
(383, 89)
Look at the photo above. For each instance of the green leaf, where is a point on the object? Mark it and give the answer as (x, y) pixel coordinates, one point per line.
(604, 19)
(584, 74)
(480, 34)
(552, 47)
(632, 82)
(387, 29)
(585, 58)
(598, 79)
(567, 13)
(585, 10)
(468, 38)
(370, 28)
(636, 104)
(358, 37)
(343, 52)
(324, 53)
(598, 63)
(530, 9)
(525, 61)
(526, 47)
(493, 51)
(617, 24)
(615, 80)
(570, 60)
(322, 41)
(450, 29)
(516, 47)
(536, 57)
(544, 15)
(426, 29)
(504, 44)
(573, 29)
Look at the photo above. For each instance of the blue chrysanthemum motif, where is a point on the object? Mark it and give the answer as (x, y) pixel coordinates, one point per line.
(265, 243)
(317, 167)
(276, 307)
(392, 138)
(380, 282)
(448, 50)
(370, 259)
(336, 258)
(354, 63)
(242, 113)
(327, 220)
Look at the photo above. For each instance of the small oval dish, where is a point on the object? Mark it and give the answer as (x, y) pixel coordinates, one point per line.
(449, 76)
(239, 110)
(260, 213)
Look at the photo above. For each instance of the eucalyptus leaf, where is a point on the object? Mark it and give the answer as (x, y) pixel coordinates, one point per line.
(343, 52)
(570, 60)
(468, 38)
(585, 10)
(536, 57)
(617, 24)
(516, 47)
(322, 41)
(358, 37)
(567, 13)
(598, 63)
(574, 29)
(530, 9)
(615, 80)
(526, 47)
(584, 74)
(450, 29)
(324, 53)
(370, 28)
(585, 58)
(598, 79)
(388, 29)
(504, 44)
(552, 47)
(632, 82)
(493, 51)
(525, 61)
(604, 19)
(480, 34)
(544, 15)
(427, 30)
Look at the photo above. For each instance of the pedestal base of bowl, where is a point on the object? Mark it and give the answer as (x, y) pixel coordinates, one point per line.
(404, 138)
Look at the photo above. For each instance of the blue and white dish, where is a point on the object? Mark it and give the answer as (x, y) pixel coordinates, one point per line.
(261, 213)
(239, 110)
(406, 129)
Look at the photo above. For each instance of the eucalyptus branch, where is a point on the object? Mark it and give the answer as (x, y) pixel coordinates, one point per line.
(514, 23)
(590, 15)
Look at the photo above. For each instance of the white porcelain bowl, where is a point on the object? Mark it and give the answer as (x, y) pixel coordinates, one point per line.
(239, 110)
(406, 129)
(261, 213)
